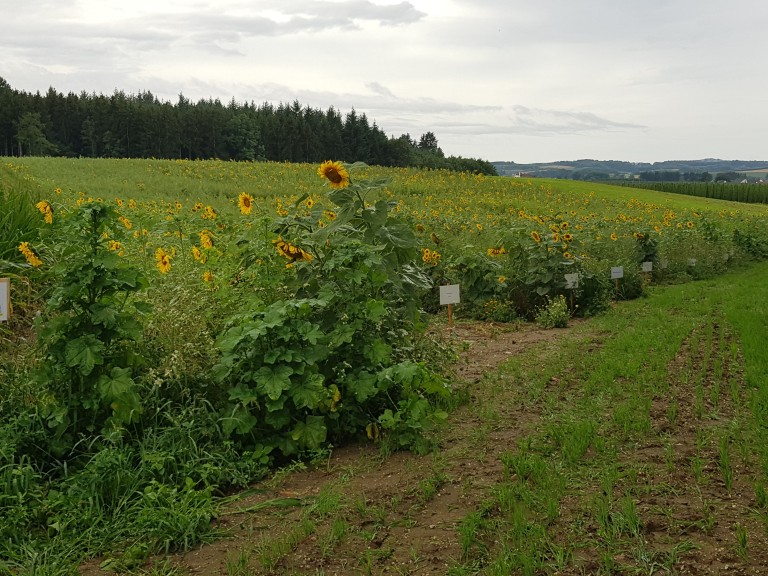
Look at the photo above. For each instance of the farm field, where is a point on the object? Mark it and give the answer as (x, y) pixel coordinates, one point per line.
(181, 330)
(631, 443)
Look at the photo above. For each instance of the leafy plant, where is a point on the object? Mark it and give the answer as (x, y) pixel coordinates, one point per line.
(88, 329)
(554, 314)
(332, 362)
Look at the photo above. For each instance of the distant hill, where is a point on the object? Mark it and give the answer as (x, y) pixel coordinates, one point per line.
(587, 169)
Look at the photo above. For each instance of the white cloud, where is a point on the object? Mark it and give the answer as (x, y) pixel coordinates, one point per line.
(526, 80)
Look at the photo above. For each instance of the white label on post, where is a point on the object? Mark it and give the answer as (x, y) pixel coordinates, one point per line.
(647, 266)
(449, 294)
(572, 281)
(691, 261)
(5, 299)
(617, 272)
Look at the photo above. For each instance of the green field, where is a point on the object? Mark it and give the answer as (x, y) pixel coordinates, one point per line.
(180, 330)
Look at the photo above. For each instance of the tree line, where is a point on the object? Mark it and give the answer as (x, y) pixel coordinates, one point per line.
(142, 126)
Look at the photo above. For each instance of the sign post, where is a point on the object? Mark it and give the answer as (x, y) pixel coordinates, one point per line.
(571, 283)
(449, 295)
(5, 299)
(616, 273)
(647, 269)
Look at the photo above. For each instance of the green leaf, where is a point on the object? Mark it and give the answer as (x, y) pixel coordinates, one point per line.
(376, 309)
(119, 391)
(238, 420)
(311, 433)
(103, 314)
(273, 381)
(363, 386)
(116, 385)
(377, 352)
(84, 352)
(243, 394)
(308, 393)
(376, 217)
(143, 307)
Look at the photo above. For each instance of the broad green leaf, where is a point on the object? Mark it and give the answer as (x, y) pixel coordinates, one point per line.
(143, 307)
(310, 433)
(273, 381)
(308, 393)
(84, 352)
(238, 419)
(243, 394)
(377, 352)
(119, 391)
(103, 314)
(376, 309)
(116, 385)
(363, 386)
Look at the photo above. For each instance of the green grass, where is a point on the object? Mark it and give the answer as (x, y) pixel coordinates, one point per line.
(641, 340)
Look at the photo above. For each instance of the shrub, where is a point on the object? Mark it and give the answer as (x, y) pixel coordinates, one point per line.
(554, 314)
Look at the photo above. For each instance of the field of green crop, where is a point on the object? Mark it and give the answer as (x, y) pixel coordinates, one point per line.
(180, 329)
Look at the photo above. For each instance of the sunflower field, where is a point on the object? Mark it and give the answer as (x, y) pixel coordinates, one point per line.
(180, 327)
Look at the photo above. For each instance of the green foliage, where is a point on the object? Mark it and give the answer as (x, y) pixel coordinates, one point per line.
(88, 329)
(554, 314)
(332, 361)
(19, 221)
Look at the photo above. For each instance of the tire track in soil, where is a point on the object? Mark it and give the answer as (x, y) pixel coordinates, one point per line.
(680, 502)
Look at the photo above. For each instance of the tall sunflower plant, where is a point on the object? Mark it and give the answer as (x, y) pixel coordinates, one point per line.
(336, 359)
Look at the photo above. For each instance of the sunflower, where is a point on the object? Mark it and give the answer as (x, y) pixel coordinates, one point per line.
(206, 239)
(245, 203)
(536, 236)
(125, 222)
(310, 202)
(563, 225)
(293, 253)
(207, 276)
(197, 254)
(335, 172)
(162, 261)
(30, 255)
(45, 210)
(614, 237)
(689, 224)
(567, 237)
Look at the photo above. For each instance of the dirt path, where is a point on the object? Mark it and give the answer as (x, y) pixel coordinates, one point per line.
(399, 514)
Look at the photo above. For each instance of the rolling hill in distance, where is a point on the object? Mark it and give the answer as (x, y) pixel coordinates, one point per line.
(588, 169)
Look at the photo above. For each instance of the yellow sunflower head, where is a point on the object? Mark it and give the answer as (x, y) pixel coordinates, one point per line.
(536, 236)
(245, 203)
(162, 261)
(335, 173)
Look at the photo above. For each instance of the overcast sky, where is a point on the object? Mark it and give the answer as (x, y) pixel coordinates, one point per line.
(519, 80)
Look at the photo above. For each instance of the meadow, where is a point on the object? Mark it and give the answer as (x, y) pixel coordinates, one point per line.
(182, 329)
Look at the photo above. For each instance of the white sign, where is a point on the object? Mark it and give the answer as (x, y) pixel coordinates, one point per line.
(449, 294)
(617, 272)
(647, 266)
(572, 280)
(691, 261)
(5, 299)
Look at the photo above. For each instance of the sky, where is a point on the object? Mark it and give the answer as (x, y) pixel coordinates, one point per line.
(502, 80)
